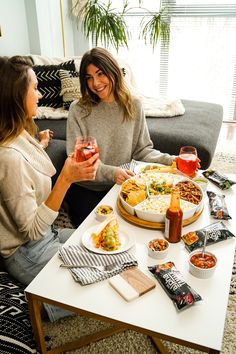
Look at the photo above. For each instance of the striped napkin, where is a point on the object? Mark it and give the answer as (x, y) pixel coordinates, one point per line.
(74, 254)
(130, 165)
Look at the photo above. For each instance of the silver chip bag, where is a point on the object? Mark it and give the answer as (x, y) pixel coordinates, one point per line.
(216, 232)
(222, 181)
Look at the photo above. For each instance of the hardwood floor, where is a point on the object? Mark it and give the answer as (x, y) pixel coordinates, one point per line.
(228, 131)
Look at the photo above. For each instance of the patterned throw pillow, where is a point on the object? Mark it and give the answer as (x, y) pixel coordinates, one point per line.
(15, 328)
(49, 83)
(70, 87)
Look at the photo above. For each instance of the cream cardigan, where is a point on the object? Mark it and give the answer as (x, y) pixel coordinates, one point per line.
(25, 183)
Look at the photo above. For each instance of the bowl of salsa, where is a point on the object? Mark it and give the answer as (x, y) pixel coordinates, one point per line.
(202, 266)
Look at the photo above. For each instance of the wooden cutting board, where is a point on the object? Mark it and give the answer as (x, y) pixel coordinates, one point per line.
(132, 283)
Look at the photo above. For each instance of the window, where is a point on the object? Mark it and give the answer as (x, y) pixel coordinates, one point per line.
(200, 61)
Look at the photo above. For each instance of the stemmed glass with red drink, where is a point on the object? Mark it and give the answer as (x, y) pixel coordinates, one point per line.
(188, 161)
(85, 147)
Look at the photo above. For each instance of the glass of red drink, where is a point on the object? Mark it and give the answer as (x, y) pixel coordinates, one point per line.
(85, 147)
(187, 161)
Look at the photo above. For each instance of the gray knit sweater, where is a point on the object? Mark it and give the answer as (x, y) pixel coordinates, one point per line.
(25, 183)
(119, 142)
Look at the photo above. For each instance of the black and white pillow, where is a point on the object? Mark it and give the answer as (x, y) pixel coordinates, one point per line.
(49, 83)
(70, 87)
(15, 328)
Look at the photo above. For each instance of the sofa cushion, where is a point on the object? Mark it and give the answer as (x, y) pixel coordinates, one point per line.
(49, 83)
(15, 327)
(70, 87)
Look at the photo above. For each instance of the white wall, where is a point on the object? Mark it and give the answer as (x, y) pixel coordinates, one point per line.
(49, 23)
(75, 42)
(33, 28)
(36, 27)
(14, 28)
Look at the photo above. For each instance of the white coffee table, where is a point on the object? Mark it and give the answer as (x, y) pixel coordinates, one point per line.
(154, 314)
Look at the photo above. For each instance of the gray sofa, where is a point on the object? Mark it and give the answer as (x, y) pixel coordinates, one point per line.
(198, 126)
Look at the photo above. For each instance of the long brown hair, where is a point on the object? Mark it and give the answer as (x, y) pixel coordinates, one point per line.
(103, 60)
(14, 83)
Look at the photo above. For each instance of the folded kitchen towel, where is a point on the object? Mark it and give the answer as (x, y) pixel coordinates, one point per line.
(74, 254)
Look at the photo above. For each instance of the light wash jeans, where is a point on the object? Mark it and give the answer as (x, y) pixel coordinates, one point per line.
(31, 257)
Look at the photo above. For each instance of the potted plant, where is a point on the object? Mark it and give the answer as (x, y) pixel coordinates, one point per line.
(107, 24)
(102, 21)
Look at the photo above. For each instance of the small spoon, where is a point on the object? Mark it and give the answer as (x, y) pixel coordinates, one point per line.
(204, 244)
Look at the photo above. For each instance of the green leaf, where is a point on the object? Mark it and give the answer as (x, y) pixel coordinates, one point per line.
(105, 23)
(157, 27)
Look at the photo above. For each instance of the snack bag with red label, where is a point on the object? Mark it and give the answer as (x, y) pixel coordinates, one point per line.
(174, 285)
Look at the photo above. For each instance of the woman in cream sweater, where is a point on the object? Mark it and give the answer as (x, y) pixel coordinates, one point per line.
(28, 206)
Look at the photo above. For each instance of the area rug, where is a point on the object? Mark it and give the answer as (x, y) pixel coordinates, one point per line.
(130, 342)
(225, 157)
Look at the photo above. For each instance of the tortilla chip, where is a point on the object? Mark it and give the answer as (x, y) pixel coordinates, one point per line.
(136, 197)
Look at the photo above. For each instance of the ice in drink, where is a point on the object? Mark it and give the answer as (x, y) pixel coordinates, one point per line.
(85, 147)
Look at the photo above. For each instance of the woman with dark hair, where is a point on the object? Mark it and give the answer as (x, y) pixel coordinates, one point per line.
(107, 111)
(28, 206)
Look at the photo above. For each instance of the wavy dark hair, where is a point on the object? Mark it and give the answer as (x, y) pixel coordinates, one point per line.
(14, 85)
(103, 60)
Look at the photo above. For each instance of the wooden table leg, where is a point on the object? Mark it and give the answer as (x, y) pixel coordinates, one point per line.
(35, 315)
(36, 321)
(161, 349)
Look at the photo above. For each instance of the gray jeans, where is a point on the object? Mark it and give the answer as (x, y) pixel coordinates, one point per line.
(31, 257)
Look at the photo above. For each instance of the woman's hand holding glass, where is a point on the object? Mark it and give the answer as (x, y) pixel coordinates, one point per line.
(73, 171)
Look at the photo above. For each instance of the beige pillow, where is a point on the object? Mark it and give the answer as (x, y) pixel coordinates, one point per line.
(70, 87)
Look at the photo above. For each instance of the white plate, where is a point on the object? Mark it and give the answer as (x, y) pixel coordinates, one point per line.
(126, 240)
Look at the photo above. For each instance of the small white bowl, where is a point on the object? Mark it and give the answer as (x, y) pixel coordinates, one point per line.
(202, 182)
(103, 211)
(199, 272)
(153, 248)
